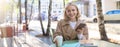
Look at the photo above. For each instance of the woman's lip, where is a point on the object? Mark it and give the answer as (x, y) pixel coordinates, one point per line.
(71, 16)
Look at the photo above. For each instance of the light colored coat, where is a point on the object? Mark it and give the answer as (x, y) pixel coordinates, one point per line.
(68, 33)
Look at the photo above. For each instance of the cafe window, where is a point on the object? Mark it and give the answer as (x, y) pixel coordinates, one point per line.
(118, 4)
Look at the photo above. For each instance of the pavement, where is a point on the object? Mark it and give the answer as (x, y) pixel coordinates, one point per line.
(22, 40)
(29, 39)
(112, 30)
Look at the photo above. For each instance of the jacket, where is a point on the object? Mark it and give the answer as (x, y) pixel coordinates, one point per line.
(64, 29)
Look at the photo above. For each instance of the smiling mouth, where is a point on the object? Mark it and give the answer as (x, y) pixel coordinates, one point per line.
(71, 15)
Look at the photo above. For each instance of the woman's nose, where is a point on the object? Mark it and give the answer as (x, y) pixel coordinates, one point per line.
(71, 12)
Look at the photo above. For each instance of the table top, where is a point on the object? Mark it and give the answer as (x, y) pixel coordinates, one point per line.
(72, 43)
(76, 43)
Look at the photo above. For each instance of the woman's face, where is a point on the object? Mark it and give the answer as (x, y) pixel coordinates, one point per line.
(71, 12)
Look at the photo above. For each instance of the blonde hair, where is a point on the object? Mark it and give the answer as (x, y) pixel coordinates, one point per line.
(78, 13)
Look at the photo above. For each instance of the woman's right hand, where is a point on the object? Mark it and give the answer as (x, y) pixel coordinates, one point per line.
(58, 40)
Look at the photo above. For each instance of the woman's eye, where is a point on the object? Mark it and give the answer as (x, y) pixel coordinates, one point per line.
(68, 11)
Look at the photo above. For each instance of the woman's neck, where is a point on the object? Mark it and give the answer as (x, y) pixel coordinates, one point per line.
(72, 20)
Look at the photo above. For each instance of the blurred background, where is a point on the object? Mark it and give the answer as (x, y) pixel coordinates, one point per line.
(40, 16)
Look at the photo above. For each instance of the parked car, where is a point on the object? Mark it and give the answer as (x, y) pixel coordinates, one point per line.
(113, 15)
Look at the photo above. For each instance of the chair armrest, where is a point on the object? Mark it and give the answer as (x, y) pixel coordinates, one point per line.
(51, 33)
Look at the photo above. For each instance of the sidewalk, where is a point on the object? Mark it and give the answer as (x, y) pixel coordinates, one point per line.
(26, 40)
(94, 32)
(23, 40)
(101, 43)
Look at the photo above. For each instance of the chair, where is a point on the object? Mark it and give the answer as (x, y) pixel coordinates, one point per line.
(51, 33)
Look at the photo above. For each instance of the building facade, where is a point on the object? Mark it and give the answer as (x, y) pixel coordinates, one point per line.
(57, 7)
(107, 5)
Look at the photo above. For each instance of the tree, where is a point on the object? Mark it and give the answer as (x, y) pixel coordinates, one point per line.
(40, 19)
(49, 17)
(101, 21)
(31, 9)
(20, 21)
(26, 18)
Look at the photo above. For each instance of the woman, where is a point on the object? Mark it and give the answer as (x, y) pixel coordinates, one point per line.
(66, 27)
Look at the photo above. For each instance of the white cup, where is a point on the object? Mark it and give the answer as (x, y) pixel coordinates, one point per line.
(59, 40)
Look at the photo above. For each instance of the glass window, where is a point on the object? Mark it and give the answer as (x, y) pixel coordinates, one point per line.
(44, 11)
(59, 11)
(118, 4)
(54, 11)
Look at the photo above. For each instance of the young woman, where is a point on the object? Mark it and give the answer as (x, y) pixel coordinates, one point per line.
(66, 27)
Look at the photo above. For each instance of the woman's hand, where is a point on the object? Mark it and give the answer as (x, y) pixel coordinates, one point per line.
(58, 40)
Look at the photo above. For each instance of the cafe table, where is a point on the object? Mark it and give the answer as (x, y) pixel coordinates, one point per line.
(74, 43)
